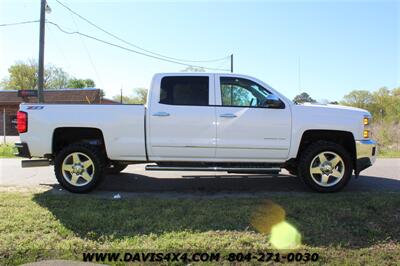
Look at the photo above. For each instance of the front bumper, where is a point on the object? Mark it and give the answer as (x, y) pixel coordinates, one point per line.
(366, 154)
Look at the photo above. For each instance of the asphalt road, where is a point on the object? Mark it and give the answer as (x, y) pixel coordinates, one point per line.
(383, 176)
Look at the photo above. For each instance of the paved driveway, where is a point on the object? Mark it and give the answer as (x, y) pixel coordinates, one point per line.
(10, 139)
(384, 175)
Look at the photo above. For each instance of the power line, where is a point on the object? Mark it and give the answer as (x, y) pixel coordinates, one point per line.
(61, 51)
(136, 46)
(19, 23)
(131, 50)
(224, 62)
(88, 54)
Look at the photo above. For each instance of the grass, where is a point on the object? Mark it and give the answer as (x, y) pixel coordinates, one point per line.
(7, 151)
(344, 228)
(388, 154)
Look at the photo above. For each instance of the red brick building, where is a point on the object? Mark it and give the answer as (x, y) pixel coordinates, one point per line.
(9, 102)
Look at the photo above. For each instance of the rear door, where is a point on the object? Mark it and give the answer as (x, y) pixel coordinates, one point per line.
(181, 118)
(247, 130)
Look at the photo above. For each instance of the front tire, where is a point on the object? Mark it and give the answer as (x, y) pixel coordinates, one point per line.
(79, 168)
(325, 166)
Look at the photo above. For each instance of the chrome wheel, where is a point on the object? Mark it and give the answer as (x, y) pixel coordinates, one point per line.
(327, 169)
(78, 169)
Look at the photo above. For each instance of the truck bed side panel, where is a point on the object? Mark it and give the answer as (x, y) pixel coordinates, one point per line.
(122, 127)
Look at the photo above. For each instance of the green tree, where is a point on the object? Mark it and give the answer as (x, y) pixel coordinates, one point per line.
(303, 98)
(22, 76)
(90, 83)
(396, 92)
(76, 83)
(139, 97)
(384, 105)
(193, 69)
(358, 98)
(55, 78)
(396, 103)
(102, 94)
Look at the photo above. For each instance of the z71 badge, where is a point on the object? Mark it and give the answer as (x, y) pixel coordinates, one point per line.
(35, 107)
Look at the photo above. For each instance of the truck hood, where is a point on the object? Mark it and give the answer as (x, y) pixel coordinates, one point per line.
(335, 108)
(328, 117)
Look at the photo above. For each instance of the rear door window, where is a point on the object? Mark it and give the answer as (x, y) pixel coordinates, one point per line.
(185, 90)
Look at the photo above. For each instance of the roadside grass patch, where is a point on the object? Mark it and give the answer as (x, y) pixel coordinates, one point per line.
(344, 228)
(7, 151)
(389, 153)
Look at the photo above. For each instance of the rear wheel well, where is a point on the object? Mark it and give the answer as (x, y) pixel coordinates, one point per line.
(65, 136)
(344, 138)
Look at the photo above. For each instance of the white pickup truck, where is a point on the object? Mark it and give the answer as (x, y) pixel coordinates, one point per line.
(199, 122)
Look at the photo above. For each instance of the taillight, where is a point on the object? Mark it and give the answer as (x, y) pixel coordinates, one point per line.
(22, 122)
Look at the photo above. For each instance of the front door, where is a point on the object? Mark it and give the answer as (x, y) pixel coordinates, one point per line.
(247, 129)
(182, 118)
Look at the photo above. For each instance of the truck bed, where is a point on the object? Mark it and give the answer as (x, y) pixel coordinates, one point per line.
(123, 127)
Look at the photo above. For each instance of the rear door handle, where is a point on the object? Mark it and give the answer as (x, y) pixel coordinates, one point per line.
(161, 114)
(229, 115)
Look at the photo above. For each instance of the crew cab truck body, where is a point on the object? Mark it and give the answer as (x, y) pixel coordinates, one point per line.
(199, 121)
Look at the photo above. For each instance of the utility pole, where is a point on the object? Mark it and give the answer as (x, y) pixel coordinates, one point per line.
(41, 50)
(4, 125)
(121, 96)
(231, 63)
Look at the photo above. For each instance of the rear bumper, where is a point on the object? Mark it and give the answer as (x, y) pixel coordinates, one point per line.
(366, 154)
(23, 150)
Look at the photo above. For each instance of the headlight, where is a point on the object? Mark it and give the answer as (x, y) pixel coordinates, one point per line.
(366, 121)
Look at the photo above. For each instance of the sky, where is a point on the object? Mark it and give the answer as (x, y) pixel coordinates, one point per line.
(325, 48)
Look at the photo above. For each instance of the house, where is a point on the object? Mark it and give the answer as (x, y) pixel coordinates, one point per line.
(10, 101)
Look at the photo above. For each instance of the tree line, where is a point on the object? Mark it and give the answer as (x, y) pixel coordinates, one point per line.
(383, 104)
(24, 76)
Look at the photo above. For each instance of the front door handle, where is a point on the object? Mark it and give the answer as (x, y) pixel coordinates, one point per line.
(229, 115)
(161, 114)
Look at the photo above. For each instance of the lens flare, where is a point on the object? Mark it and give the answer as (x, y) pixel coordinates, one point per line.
(269, 219)
(285, 236)
(267, 216)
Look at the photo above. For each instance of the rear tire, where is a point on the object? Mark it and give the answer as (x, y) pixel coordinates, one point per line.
(325, 166)
(79, 168)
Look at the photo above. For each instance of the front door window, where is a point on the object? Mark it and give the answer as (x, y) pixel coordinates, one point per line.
(242, 92)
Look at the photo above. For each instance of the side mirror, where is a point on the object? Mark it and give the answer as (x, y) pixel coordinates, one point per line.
(273, 101)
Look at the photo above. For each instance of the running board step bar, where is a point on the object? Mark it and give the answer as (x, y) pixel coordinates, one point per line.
(34, 163)
(154, 167)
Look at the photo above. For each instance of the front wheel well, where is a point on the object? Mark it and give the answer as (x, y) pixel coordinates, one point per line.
(65, 136)
(344, 138)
